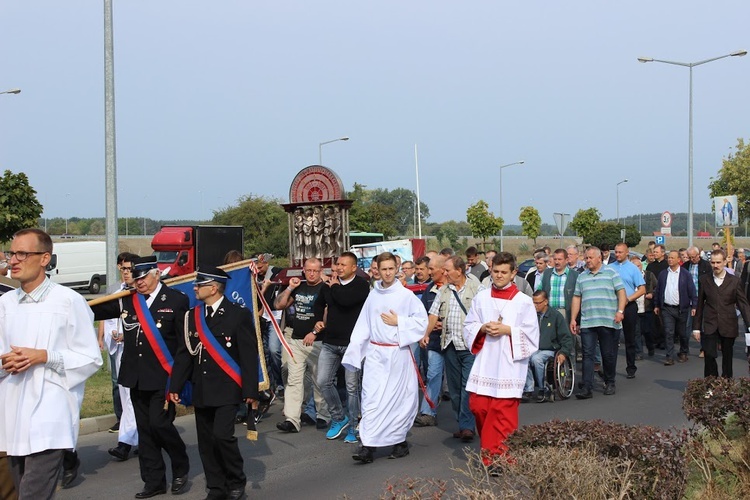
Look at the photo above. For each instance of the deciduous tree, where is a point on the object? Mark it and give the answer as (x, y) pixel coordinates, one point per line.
(481, 221)
(265, 222)
(531, 223)
(19, 208)
(733, 178)
(585, 223)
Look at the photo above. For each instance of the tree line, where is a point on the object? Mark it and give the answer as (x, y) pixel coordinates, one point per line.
(391, 212)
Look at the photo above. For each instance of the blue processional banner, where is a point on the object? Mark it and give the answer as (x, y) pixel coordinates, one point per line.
(240, 290)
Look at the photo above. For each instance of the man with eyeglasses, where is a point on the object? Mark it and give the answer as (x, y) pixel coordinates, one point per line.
(110, 338)
(305, 346)
(408, 269)
(42, 396)
(153, 323)
(554, 335)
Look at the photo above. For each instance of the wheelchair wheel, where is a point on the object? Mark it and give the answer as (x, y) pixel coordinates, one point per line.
(565, 378)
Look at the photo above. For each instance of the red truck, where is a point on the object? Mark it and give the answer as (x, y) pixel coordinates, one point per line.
(182, 249)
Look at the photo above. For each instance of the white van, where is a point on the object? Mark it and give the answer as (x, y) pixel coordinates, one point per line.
(79, 264)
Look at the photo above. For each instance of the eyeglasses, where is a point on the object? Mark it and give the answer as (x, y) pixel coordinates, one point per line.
(316, 271)
(199, 285)
(21, 256)
(539, 302)
(126, 269)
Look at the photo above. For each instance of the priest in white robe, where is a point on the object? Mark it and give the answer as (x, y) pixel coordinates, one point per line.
(392, 319)
(502, 331)
(48, 348)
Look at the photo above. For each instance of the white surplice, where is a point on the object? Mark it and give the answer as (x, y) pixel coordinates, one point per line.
(41, 407)
(500, 367)
(390, 393)
(128, 432)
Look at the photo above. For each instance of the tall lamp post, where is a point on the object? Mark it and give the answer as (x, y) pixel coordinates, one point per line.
(11, 91)
(521, 162)
(618, 198)
(320, 147)
(739, 53)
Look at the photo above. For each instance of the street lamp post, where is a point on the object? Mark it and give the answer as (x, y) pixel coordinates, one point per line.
(66, 217)
(521, 162)
(320, 147)
(738, 53)
(618, 198)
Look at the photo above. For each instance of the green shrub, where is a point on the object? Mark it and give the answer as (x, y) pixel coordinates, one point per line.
(658, 458)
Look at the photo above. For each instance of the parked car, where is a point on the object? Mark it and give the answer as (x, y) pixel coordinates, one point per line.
(524, 267)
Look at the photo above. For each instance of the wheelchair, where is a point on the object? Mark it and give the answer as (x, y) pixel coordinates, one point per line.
(561, 376)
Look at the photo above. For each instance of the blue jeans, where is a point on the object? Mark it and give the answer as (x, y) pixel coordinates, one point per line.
(434, 381)
(328, 363)
(607, 339)
(536, 373)
(272, 348)
(420, 357)
(457, 368)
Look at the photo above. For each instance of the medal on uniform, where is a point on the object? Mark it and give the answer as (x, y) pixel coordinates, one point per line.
(228, 339)
(158, 324)
(163, 297)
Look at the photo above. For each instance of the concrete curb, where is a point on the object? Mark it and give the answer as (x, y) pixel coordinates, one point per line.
(96, 424)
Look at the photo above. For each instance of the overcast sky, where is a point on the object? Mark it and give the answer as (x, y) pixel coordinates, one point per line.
(219, 99)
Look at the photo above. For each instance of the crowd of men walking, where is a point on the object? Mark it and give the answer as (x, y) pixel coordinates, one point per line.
(362, 357)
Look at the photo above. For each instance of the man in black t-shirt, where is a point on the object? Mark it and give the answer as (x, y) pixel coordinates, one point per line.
(304, 345)
(340, 304)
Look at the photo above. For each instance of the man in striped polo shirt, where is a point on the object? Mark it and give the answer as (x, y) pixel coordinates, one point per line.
(600, 298)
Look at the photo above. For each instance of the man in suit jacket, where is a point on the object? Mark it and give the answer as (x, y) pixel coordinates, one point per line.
(157, 327)
(697, 268)
(535, 275)
(718, 296)
(674, 301)
(219, 354)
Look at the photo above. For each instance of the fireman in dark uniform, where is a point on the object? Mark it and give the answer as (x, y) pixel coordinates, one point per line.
(219, 355)
(152, 323)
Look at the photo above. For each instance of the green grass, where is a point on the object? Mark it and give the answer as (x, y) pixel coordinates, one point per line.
(97, 398)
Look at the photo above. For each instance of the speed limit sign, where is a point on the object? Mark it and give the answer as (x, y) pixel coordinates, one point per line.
(666, 219)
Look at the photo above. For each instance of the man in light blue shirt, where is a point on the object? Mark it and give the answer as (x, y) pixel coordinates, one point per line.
(635, 286)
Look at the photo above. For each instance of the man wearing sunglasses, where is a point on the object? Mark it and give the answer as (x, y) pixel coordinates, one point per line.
(42, 389)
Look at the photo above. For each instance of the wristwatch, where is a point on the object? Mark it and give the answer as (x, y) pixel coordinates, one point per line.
(620, 311)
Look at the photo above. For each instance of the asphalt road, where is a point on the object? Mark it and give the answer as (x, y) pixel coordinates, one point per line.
(306, 465)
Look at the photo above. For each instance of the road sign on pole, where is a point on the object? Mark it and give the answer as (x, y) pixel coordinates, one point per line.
(666, 219)
(561, 220)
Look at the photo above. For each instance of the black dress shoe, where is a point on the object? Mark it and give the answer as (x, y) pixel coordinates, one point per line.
(307, 419)
(585, 395)
(286, 426)
(400, 450)
(179, 484)
(148, 493)
(364, 455)
(237, 494)
(69, 475)
(121, 452)
(321, 424)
